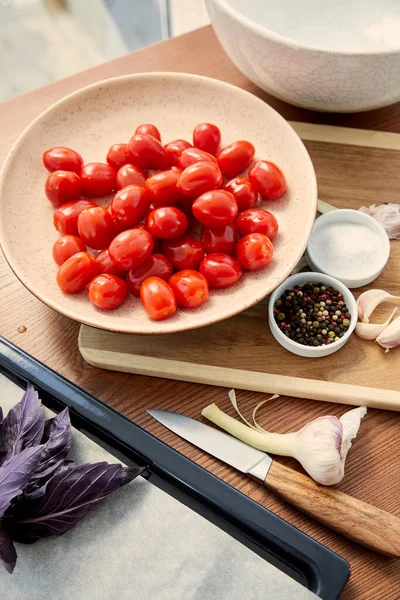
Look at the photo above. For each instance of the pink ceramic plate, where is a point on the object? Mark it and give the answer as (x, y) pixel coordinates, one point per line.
(108, 112)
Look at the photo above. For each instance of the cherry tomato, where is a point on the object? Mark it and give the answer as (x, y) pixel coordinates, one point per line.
(199, 178)
(185, 252)
(76, 272)
(162, 188)
(207, 137)
(254, 251)
(256, 220)
(233, 159)
(267, 179)
(65, 218)
(129, 206)
(245, 195)
(157, 265)
(131, 248)
(118, 156)
(67, 246)
(220, 270)
(130, 175)
(190, 156)
(148, 129)
(107, 291)
(174, 150)
(190, 288)
(96, 227)
(157, 298)
(148, 152)
(107, 265)
(167, 222)
(98, 179)
(223, 239)
(62, 186)
(216, 208)
(62, 159)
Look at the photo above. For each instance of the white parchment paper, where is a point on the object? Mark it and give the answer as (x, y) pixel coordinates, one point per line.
(139, 544)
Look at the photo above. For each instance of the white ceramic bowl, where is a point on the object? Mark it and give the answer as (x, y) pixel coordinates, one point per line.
(92, 119)
(348, 245)
(311, 351)
(340, 56)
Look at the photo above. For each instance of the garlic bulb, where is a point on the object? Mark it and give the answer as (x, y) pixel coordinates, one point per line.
(370, 331)
(390, 337)
(388, 215)
(321, 446)
(369, 300)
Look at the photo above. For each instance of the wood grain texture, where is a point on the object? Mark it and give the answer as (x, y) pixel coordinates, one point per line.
(357, 520)
(373, 465)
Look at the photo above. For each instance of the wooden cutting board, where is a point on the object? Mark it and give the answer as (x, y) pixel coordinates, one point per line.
(354, 168)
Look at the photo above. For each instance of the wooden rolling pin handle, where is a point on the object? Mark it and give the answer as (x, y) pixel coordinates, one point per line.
(355, 519)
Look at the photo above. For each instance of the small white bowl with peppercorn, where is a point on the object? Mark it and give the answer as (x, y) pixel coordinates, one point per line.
(312, 314)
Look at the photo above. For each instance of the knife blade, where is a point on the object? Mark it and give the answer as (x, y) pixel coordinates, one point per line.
(361, 522)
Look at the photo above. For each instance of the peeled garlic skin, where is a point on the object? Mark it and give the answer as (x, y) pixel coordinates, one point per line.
(390, 336)
(370, 331)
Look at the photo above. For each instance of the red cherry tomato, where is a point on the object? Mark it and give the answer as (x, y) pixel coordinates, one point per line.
(254, 251)
(223, 239)
(207, 137)
(185, 252)
(174, 150)
(162, 188)
(199, 178)
(107, 265)
(98, 179)
(65, 218)
(148, 129)
(167, 222)
(267, 179)
(256, 220)
(130, 175)
(220, 270)
(76, 272)
(107, 291)
(67, 246)
(190, 156)
(157, 266)
(157, 298)
(129, 206)
(233, 159)
(62, 186)
(118, 156)
(62, 159)
(190, 288)
(148, 152)
(96, 227)
(245, 195)
(131, 248)
(216, 208)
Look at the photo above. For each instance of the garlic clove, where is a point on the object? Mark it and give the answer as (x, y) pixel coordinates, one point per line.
(369, 300)
(370, 331)
(388, 215)
(390, 336)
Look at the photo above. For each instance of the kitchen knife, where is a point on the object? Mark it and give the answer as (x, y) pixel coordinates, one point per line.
(355, 519)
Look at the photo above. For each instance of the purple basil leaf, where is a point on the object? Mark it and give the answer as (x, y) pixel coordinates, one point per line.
(8, 553)
(3, 449)
(15, 474)
(57, 439)
(68, 497)
(23, 426)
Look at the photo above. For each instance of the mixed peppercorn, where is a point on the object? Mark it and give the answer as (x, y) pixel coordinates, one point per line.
(312, 314)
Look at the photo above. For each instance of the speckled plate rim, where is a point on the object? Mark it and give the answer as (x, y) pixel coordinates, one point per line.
(175, 327)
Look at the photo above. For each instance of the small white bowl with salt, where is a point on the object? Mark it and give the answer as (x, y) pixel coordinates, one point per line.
(348, 245)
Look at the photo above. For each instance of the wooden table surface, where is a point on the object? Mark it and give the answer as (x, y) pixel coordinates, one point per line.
(52, 338)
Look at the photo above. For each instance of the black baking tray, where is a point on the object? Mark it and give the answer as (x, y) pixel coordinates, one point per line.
(293, 552)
